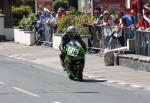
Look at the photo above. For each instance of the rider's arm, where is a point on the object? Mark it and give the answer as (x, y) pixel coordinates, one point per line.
(63, 43)
(82, 42)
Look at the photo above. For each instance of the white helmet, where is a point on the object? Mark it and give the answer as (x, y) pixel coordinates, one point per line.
(71, 31)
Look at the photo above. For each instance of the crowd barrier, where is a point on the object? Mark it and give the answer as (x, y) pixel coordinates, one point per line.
(44, 38)
(97, 43)
(142, 43)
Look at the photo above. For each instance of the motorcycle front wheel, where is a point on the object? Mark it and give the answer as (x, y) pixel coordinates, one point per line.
(79, 73)
(70, 76)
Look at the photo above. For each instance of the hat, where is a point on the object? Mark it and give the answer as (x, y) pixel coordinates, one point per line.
(59, 9)
(105, 12)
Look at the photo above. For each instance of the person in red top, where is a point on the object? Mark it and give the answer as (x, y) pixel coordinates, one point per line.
(134, 6)
(147, 6)
(142, 24)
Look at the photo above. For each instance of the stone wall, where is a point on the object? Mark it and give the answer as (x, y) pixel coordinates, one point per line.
(134, 61)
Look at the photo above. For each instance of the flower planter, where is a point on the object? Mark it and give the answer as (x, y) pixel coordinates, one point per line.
(56, 41)
(24, 37)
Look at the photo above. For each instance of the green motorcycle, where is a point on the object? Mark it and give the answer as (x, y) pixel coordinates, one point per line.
(74, 60)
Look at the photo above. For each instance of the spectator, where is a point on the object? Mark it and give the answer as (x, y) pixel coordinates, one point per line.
(47, 26)
(107, 23)
(116, 39)
(36, 25)
(41, 29)
(98, 16)
(127, 27)
(147, 6)
(142, 24)
(135, 8)
(60, 13)
(134, 18)
(51, 22)
(146, 17)
(42, 9)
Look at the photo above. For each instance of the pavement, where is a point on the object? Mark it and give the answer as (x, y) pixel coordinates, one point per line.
(95, 68)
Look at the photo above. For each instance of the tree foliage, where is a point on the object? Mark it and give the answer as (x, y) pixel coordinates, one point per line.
(60, 3)
(19, 12)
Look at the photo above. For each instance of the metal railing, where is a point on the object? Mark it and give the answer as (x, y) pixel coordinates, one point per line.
(97, 38)
(44, 38)
(142, 43)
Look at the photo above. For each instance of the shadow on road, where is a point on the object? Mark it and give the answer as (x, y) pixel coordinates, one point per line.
(86, 92)
(93, 80)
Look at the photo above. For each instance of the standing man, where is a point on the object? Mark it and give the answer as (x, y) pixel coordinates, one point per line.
(50, 21)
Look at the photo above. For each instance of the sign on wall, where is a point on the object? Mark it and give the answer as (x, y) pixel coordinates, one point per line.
(44, 3)
(116, 5)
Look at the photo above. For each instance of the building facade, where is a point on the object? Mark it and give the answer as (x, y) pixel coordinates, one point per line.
(45, 3)
(88, 6)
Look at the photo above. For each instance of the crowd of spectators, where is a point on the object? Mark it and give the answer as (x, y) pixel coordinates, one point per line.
(118, 26)
(45, 23)
(122, 25)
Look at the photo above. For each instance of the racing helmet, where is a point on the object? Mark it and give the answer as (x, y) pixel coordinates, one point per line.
(71, 31)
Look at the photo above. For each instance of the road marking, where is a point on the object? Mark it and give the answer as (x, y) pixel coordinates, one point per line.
(101, 79)
(57, 102)
(148, 89)
(2, 83)
(111, 81)
(135, 86)
(26, 92)
(19, 58)
(123, 83)
(92, 76)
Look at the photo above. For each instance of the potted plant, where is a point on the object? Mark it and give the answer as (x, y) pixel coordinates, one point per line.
(76, 19)
(25, 34)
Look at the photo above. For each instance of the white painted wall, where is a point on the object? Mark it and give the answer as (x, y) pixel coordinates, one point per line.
(56, 41)
(9, 34)
(24, 37)
(1, 25)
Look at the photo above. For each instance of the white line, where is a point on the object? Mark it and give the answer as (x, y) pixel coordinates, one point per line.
(15, 57)
(57, 102)
(2, 83)
(123, 83)
(26, 92)
(92, 76)
(102, 79)
(136, 86)
(111, 81)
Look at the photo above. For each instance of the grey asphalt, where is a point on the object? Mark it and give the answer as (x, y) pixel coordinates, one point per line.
(28, 82)
(94, 67)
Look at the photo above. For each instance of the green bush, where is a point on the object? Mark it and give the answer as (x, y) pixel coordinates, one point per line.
(24, 2)
(64, 23)
(60, 3)
(26, 22)
(19, 12)
(76, 20)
